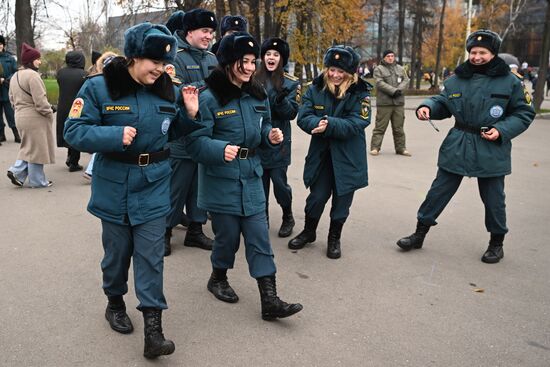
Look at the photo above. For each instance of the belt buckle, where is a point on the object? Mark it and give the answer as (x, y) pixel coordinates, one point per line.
(243, 153)
(143, 160)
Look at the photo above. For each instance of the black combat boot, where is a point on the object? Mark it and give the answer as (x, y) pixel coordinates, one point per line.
(116, 315)
(308, 235)
(155, 344)
(167, 238)
(333, 242)
(272, 306)
(288, 222)
(16, 136)
(2, 135)
(494, 252)
(219, 286)
(415, 240)
(196, 238)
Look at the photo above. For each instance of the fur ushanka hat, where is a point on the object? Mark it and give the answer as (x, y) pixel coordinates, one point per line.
(150, 41)
(343, 57)
(234, 46)
(279, 45)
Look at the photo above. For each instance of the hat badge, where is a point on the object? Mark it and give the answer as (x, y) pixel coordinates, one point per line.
(250, 44)
(274, 43)
(168, 48)
(212, 18)
(236, 22)
(337, 56)
(479, 38)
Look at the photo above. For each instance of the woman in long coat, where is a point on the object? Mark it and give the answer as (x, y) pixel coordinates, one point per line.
(34, 121)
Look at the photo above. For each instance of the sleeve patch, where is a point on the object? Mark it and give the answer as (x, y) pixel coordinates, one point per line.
(76, 108)
(365, 108)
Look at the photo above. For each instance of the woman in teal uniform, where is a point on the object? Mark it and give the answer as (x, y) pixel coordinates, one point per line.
(235, 115)
(126, 115)
(490, 107)
(283, 93)
(335, 111)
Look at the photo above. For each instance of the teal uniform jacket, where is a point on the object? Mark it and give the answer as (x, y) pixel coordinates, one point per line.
(496, 99)
(123, 192)
(281, 114)
(344, 138)
(192, 66)
(230, 116)
(8, 67)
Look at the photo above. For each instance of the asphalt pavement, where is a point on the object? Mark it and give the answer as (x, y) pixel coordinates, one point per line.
(376, 306)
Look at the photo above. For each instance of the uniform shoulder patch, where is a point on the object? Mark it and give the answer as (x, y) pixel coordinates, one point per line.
(76, 108)
(291, 77)
(308, 84)
(365, 107)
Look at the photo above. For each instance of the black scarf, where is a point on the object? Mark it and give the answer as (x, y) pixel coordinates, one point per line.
(495, 67)
(225, 91)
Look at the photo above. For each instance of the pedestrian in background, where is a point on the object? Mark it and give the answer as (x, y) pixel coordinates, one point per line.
(125, 115)
(8, 66)
(391, 82)
(283, 91)
(335, 111)
(34, 120)
(491, 107)
(69, 78)
(236, 121)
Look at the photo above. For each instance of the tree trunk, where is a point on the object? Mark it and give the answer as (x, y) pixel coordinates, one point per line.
(23, 28)
(544, 61)
(280, 17)
(255, 26)
(420, 40)
(380, 24)
(439, 43)
(220, 12)
(233, 7)
(268, 19)
(401, 31)
(413, 51)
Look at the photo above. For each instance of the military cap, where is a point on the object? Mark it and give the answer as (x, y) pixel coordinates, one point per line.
(199, 18)
(484, 38)
(175, 22)
(150, 41)
(235, 23)
(234, 46)
(279, 45)
(343, 57)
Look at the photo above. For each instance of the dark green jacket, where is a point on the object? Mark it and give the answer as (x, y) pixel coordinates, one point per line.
(344, 138)
(192, 66)
(230, 116)
(282, 112)
(390, 78)
(124, 192)
(495, 98)
(8, 67)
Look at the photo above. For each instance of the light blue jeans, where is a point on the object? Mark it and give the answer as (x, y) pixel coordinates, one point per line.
(33, 171)
(90, 167)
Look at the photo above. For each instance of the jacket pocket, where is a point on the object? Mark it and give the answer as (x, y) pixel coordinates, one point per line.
(156, 172)
(223, 172)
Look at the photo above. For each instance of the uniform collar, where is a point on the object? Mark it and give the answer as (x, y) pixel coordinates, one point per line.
(495, 67)
(225, 91)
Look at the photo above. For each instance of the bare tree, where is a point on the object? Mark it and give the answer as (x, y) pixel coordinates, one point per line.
(380, 26)
(401, 31)
(439, 43)
(516, 7)
(220, 12)
(233, 6)
(544, 61)
(268, 18)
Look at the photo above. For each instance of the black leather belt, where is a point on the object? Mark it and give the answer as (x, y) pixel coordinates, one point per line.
(142, 159)
(244, 153)
(467, 128)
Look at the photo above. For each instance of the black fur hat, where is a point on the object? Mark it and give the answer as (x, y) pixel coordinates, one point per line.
(151, 41)
(279, 45)
(234, 46)
(2, 40)
(343, 57)
(236, 23)
(199, 18)
(484, 38)
(175, 22)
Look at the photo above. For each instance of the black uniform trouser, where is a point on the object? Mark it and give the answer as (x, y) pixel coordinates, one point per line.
(6, 109)
(321, 190)
(184, 187)
(445, 185)
(73, 156)
(281, 188)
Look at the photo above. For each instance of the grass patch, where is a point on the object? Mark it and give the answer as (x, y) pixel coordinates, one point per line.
(543, 110)
(52, 90)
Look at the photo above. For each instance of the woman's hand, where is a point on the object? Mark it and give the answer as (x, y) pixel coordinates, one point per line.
(321, 127)
(190, 96)
(491, 135)
(275, 136)
(230, 152)
(423, 113)
(128, 135)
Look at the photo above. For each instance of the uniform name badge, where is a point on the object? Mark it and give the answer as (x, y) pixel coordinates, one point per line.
(496, 111)
(165, 126)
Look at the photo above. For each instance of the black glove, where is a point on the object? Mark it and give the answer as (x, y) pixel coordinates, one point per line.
(281, 95)
(397, 93)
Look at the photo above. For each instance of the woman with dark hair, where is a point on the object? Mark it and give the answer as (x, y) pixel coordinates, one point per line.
(125, 115)
(235, 116)
(283, 93)
(335, 112)
(34, 121)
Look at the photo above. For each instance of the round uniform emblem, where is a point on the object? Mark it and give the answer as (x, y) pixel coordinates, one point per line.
(236, 22)
(496, 111)
(274, 43)
(165, 126)
(337, 56)
(167, 48)
(250, 44)
(479, 38)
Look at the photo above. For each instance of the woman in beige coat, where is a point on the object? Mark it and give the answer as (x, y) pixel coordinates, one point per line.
(34, 120)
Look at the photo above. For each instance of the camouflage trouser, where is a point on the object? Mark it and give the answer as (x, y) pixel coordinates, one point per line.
(383, 116)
